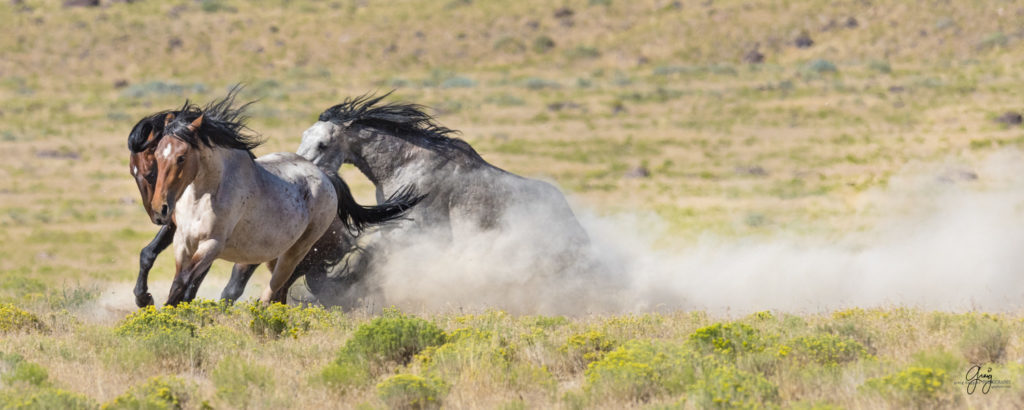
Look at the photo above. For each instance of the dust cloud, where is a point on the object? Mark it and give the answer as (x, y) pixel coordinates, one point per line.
(947, 236)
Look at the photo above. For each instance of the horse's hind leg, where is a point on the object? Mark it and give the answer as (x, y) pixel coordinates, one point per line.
(284, 269)
(240, 275)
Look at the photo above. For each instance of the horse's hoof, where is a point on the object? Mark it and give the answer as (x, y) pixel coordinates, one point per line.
(143, 300)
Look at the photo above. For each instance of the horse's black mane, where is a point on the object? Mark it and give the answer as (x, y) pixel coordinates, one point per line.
(400, 119)
(154, 123)
(223, 124)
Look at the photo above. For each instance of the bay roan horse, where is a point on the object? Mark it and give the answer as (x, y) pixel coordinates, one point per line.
(227, 204)
(142, 164)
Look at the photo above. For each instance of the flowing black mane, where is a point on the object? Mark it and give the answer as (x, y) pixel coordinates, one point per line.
(401, 120)
(223, 124)
(154, 123)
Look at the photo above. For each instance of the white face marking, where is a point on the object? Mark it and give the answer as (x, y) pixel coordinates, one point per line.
(167, 152)
(135, 170)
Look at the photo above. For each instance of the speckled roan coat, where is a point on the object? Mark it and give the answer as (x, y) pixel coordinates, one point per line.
(240, 208)
(398, 146)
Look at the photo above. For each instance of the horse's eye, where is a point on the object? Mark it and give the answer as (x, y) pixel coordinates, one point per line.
(322, 146)
(181, 159)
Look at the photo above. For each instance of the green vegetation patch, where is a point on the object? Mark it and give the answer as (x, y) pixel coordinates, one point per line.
(485, 357)
(45, 398)
(729, 387)
(17, 370)
(238, 381)
(392, 339)
(409, 391)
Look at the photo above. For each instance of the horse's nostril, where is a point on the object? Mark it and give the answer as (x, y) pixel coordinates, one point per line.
(163, 210)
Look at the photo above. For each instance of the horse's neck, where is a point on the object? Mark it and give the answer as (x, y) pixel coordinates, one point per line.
(215, 166)
(383, 157)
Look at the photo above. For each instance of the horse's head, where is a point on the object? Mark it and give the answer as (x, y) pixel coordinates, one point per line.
(177, 164)
(325, 144)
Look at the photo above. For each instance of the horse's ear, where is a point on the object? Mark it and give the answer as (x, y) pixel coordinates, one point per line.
(196, 124)
(168, 118)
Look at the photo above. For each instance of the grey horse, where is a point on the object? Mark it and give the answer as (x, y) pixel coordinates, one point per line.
(399, 145)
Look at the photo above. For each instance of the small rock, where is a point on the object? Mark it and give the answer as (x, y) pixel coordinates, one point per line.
(754, 56)
(81, 3)
(564, 12)
(803, 40)
(896, 89)
(638, 172)
(1010, 118)
(57, 154)
(121, 83)
(533, 24)
(851, 22)
(755, 170)
(951, 176)
(174, 43)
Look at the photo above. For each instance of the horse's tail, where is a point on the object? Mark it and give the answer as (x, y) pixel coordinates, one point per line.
(357, 217)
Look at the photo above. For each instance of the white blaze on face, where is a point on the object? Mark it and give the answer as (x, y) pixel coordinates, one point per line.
(167, 152)
(135, 170)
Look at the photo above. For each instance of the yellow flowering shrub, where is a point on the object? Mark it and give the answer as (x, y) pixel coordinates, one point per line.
(641, 370)
(160, 392)
(828, 350)
(587, 347)
(730, 339)
(921, 386)
(277, 319)
(13, 319)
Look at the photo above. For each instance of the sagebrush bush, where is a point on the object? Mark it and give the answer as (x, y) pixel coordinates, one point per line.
(392, 339)
(278, 319)
(641, 370)
(920, 387)
(828, 350)
(27, 372)
(44, 398)
(587, 347)
(727, 387)
(150, 322)
(157, 393)
(984, 341)
(487, 358)
(13, 319)
(408, 391)
(172, 333)
(238, 381)
(729, 339)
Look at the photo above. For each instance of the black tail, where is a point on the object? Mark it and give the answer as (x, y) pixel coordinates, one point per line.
(357, 217)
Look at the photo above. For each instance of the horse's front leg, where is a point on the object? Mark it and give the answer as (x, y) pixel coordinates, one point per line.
(161, 241)
(190, 267)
